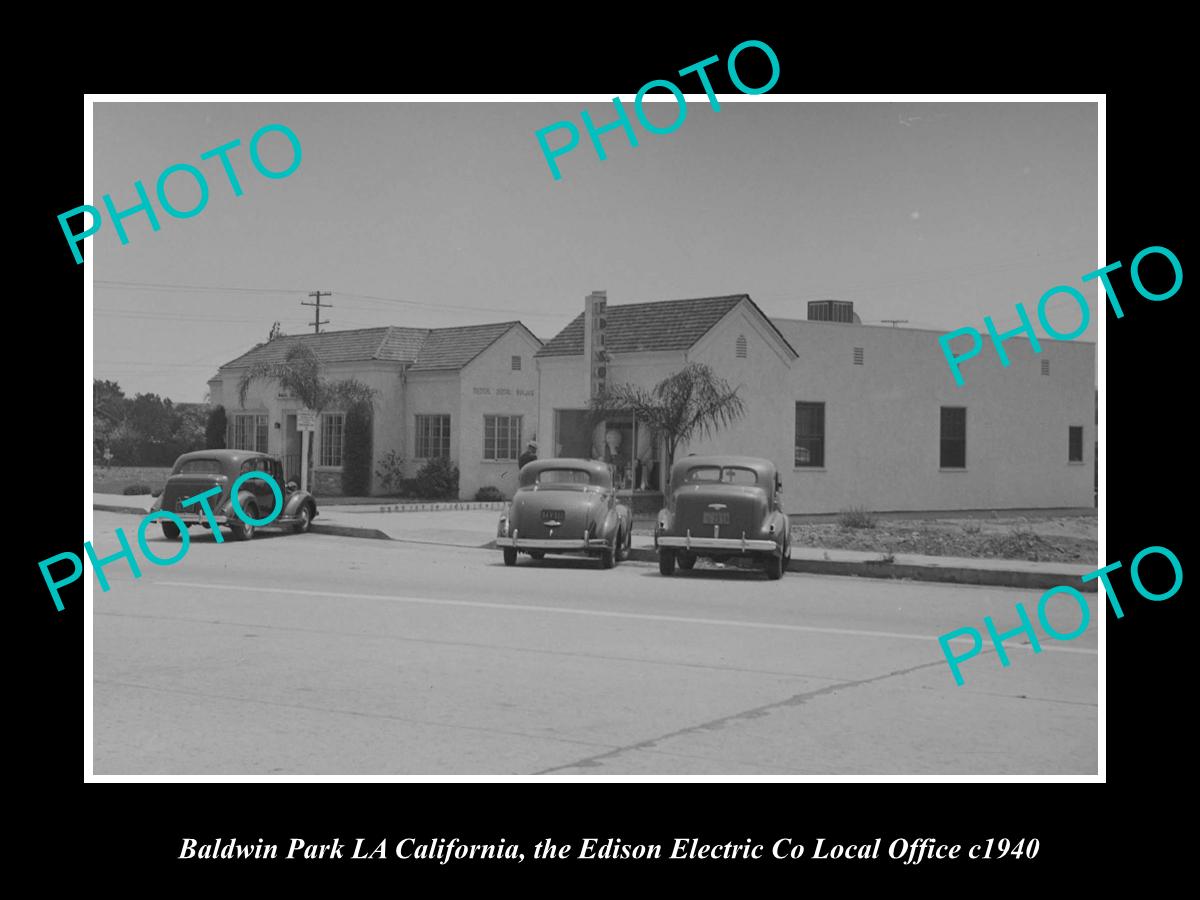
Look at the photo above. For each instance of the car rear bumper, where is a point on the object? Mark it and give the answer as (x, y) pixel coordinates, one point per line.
(732, 545)
(576, 545)
(191, 518)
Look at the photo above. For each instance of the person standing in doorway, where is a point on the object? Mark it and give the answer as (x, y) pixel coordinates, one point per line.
(529, 455)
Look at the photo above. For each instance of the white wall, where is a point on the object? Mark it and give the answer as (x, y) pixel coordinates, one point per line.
(490, 386)
(761, 378)
(882, 422)
(430, 394)
(882, 419)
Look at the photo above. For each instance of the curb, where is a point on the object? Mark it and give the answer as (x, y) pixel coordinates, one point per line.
(439, 506)
(951, 574)
(339, 530)
(348, 531)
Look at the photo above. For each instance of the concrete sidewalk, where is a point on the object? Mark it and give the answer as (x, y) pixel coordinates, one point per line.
(476, 527)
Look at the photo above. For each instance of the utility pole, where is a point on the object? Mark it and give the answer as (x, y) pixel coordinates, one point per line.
(895, 322)
(317, 323)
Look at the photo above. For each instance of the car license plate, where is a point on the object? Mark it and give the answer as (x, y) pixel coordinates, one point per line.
(716, 517)
(552, 515)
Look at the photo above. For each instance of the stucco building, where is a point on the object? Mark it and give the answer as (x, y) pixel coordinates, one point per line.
(467, 393)
(851, 414)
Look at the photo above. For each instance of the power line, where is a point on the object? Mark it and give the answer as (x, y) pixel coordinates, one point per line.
(194, 288)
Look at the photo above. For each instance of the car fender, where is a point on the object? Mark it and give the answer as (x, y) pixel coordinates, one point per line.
(780, 521)
(626, 517)
(245, 498)
(612, 522)
(295, 500)
(663, 523)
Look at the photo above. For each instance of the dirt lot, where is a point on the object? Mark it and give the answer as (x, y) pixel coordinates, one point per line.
(114, 480)
(1051, 539)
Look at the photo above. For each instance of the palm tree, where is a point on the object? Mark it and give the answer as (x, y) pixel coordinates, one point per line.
(693, 402)
(300, 375)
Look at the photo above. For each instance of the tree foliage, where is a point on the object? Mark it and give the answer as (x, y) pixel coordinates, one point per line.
(437, 479)
(689, 404)
(146, 430)
(215, 428)
(356, 451)
(300, 374)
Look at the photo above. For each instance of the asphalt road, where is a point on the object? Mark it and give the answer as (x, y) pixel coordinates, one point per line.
(327, 655)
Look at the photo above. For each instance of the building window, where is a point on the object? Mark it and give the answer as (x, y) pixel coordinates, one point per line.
(333, 429)
(741, 346)
(433, 437)
(1075, 444)
(810, 434)
(954, 437)
(516, 364)
(1045, 367)
(858, 356)
(501, 437)
(249, 433)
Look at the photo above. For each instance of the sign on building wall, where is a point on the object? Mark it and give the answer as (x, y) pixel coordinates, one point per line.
(306, 420)
(594, 324)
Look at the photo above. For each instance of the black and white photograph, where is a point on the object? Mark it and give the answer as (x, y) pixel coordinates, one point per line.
(684, 436)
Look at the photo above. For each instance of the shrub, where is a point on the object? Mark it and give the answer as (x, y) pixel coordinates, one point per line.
(856, 517)
(489, 494)
(391, 473)
(135, 489)
(437, 480)
(356, 451)
(214, 429)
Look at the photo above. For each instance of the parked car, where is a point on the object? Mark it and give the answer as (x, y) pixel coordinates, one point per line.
(201, 470)
(566, 506)
(720, 507)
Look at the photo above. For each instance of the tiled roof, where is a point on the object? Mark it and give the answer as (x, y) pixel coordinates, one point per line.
(423, 348)
(390, 342)
(634, 327)
(453, 348)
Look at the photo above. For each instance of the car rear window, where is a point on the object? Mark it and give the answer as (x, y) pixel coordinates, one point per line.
(722, 474)
(200, 467)
(564, 476)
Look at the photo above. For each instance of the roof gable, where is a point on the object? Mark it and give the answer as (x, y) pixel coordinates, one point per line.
(664, 325)
(454, 348)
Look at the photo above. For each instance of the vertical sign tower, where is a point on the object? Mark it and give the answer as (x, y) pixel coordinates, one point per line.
(594, 324)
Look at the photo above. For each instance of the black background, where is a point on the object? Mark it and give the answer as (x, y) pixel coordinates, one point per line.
(112, 829)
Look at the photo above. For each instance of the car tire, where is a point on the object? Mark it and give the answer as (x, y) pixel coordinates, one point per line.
(687, 562)
(625, 545)
(537, 554)
(510, 556)
(303, 520)
(666, 562)
(171, 531)
(243, 530)
(608, 556)
(774, 565)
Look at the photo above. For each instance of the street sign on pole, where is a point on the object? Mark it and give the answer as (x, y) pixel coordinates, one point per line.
(306, 424)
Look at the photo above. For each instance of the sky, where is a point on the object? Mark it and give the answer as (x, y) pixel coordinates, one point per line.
(436, 214)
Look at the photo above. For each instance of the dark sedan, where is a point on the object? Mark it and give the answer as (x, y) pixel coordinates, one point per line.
(566, 506)
(721, 507)
(202, 470)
